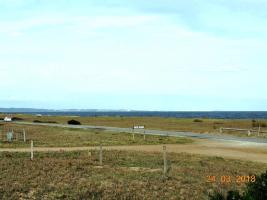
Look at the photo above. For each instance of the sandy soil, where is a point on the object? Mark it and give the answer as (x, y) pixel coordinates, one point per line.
(228, 149)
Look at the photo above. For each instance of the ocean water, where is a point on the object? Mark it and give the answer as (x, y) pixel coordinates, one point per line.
(214, 115)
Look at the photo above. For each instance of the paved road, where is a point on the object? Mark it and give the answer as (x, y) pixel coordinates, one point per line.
(157, 132)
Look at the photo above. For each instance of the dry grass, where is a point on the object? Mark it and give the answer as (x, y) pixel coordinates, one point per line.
(125, 175)
(44, 136)
(176, 124)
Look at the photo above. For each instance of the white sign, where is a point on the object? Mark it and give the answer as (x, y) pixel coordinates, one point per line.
(139, 127)
(7, 119)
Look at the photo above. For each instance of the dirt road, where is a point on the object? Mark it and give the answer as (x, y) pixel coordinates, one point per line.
(228, 149)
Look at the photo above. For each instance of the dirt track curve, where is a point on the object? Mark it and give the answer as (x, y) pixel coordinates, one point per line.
(230, 149)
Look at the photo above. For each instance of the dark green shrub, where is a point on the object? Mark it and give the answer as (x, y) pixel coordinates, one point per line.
(233, 195)
(257, 190)
(16, 119)
(198, 120)
(217, 196)
(74, 122)
(254, 191)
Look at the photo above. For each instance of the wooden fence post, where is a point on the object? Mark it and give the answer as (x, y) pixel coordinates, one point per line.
(31, 150)
(249, 132)
(89, 153)
(133, 133)
(164, 161)
(100, 155)
(144, 135)
(24, 135)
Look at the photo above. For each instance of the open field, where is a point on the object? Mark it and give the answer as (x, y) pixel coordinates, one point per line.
(66, 161)
(175, 124)
(44, 136)
(124, 175)
(233, 150)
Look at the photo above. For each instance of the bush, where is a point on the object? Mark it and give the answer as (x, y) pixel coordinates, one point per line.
(257, 124)
(16, 119)
(198, 120)
(37, 121)
(253, 191)
(74, 122)
(217, 196)
(257, 190)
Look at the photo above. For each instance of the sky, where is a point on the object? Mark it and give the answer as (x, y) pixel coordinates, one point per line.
(164, 55)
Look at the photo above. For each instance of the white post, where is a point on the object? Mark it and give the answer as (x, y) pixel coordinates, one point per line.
(100, 155)
(221, 130)
(249, 133)
(13, 135)
(133, 133)
(89, 153)
(164, 161)
(259, 130)
(31, 150)
(144, 134)
(24, 135)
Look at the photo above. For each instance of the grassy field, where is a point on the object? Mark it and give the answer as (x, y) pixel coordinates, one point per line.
(124, 175)
(194, 125)
(44, 136)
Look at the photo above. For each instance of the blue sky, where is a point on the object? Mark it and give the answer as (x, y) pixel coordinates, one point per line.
(134, 54)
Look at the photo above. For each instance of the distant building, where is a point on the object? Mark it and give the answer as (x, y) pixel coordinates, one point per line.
(39, 115)
(8, 119)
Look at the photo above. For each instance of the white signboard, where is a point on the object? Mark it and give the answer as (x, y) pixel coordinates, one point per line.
(7, 119)
(139, 127)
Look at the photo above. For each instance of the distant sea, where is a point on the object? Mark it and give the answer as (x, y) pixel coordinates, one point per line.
(214, 115)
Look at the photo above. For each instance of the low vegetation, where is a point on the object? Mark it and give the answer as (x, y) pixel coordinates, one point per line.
(174, 124)
(258, 124)
(197, 120)
(74, 122)
(254, 191)
(124, 175)
(44, 136)
(16, 119)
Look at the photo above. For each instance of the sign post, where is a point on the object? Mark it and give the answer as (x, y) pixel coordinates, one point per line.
(164, 161)
(140, 127)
